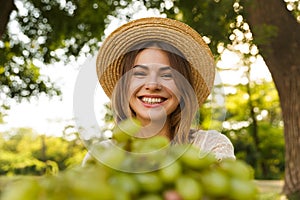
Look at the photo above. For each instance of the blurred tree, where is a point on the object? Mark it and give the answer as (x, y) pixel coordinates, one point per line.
(250, 109)
(44, 155)
(281, 52)
(253, 123)
(55, 30)
(16, 154)
(42, 32)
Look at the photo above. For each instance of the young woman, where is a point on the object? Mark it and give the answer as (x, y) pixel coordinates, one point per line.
(157, 88)
(160, 71)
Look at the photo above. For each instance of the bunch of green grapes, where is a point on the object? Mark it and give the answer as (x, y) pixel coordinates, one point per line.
(142, 169)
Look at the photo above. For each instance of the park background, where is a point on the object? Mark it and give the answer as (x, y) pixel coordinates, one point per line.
(45, 43)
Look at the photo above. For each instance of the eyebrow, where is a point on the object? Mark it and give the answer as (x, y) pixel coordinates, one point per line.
(147, 68)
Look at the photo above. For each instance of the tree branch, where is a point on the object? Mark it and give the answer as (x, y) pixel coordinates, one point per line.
(7, 6)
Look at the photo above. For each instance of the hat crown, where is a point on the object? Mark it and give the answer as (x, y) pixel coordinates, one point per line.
(181, 36)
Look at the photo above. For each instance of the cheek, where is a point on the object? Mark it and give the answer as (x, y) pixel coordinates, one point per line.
(134, 85)
(173, 90)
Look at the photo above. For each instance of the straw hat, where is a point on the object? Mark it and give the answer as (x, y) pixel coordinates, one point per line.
(176, 33)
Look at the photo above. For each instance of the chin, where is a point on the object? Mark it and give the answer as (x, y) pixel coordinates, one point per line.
(159, 117)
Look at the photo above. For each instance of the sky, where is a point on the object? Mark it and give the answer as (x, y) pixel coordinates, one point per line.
(51, 115)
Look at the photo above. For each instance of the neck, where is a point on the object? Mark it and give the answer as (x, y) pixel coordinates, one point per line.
(156, 128)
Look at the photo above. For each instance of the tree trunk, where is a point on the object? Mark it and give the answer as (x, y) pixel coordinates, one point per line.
(5, 9)
(281, 54)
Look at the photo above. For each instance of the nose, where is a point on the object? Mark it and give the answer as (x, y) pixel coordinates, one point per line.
(153, 86)
(152, 81)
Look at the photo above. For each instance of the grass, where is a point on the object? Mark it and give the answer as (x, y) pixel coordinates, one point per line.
(270, 189)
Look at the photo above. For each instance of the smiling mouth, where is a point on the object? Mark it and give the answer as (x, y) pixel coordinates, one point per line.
(152, 100)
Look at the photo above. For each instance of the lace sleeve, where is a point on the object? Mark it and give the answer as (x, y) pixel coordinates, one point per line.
(214, 142)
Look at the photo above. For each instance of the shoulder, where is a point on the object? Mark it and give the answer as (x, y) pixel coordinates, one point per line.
(210, 136)
(212, 141)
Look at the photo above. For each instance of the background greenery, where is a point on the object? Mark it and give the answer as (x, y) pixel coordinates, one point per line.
(63, 30)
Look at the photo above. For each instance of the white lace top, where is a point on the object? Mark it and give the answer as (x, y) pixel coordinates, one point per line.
(214, 142)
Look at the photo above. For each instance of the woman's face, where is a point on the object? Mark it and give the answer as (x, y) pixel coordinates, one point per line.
(153, 92)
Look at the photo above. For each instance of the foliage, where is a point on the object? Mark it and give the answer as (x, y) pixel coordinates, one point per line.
(294, 7)
(213, 19)
(25, 152)
(43, 32)
(263, 118)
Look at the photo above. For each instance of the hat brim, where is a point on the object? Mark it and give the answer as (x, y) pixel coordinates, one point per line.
(176, 33)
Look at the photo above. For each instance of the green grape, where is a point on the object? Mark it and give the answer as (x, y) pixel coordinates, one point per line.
(151, 197)
(126, 129)
(91, 188)
(171, 172)
(194, 159)
(139, 163)
(138, 146)
(148, 154)
(188, 188)
(237, 168)
(85, 183)
(125, 182)
(53, 191)
(146, 145)
(121, 195)
(112, 157)
(159, 171)
(215, 183)
(149, 182)
(242, 189)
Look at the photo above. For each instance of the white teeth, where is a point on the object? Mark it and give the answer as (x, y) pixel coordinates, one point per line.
(150, 100)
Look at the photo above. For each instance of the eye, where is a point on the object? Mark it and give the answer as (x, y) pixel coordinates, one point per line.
(167, 75)
(139, 74)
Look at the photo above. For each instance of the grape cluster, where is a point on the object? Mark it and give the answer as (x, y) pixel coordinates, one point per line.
(142, 169)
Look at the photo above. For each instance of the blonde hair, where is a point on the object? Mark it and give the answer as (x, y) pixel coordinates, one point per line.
(179, 128)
